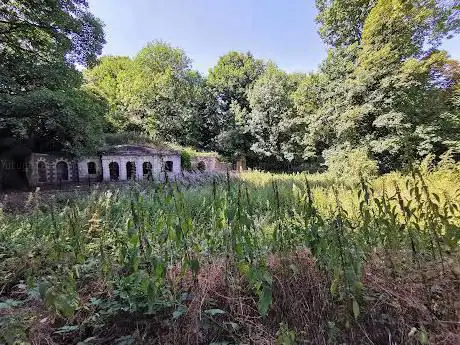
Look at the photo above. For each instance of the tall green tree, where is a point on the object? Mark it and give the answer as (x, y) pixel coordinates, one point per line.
(40, 98)
(272, 120)
(230, 80)
(397, 100)
(203, 123)
(105, 78)
(307, 98)
(331, 87)
(232, 76)
(157, 92)
(40, 41)
(342, 21)
(389, 94)
(47, 121)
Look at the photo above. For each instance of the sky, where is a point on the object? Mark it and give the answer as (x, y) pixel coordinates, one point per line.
(283, 31)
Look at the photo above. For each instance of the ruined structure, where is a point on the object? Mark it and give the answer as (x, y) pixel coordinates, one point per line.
(207, 162)
(118, 163)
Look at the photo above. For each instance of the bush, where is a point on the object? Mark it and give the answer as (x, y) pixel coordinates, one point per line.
(350, 164)
(131, 138)
(186, 160)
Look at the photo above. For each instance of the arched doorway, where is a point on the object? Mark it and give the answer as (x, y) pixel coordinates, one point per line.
(201, 166)
(41, 167)
(91, 168)
(131, 170)
(62, 171)
(114, 171)
(147, 170)
(169, 165)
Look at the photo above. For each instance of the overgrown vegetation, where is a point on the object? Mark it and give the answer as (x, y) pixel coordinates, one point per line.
(42, 102)
(259, 259)
(343, 257)
(385, 89)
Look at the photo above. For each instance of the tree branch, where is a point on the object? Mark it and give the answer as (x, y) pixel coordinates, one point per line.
(18, 24)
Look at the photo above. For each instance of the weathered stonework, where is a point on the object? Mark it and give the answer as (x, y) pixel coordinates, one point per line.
(208, 162)
(84, 171)
(119, 163)
(139, 162)
(45, 169)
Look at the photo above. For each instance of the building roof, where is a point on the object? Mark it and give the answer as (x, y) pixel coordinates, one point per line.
(137, 150)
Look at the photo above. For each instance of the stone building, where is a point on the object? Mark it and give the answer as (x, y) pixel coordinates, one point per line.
(118, 163)
(207, 162)
(47, 168)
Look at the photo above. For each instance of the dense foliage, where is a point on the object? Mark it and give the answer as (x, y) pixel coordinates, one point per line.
(342, 257)
(260, 259)
(41, 103)
(384, 89)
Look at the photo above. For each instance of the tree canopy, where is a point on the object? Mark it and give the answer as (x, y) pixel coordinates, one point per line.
(230, 80)
(41, 43)
(385, 93)
(392, 95)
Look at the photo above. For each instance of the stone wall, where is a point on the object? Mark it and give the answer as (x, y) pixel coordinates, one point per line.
(157, 163)
(83, 169)
(209, 163)
(48, 169)
(43, 169)
(176, 161)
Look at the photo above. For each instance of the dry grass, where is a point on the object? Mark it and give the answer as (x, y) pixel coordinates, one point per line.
(392, 306)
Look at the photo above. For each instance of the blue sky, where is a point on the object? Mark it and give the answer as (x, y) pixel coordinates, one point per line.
(283, 31)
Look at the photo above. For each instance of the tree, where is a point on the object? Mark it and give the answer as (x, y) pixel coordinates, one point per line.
(105, 78)
(203, 124)
(331, 86)
(232, 76)
(272, 119)
(69, 121)
(341, 21)
(390, 96)
(307, 101)
(450, 75)
(157, 92)
(230, 81)
(393, 103)
(40, 99)
(40, 41)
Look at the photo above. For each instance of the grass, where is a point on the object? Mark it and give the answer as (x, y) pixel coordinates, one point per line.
(259, 258)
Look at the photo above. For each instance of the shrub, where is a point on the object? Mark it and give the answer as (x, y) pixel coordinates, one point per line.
(186, 159)
(133, 138)
(350, 164)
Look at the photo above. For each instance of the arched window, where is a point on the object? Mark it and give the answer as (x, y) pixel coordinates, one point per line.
(147, 170)
(114, 171)
(169, 165)
(201, 166)
(62, 171)
(41, 167)
(131, 170)
(91, 168)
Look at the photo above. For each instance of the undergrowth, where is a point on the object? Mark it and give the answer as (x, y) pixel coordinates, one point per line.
(259, 259)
